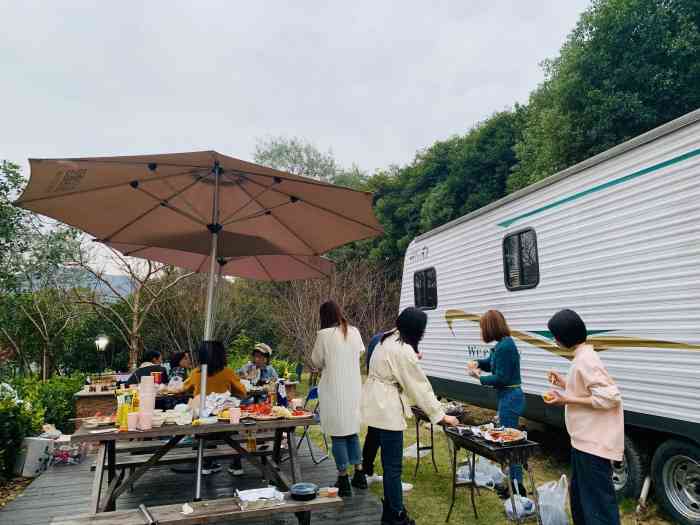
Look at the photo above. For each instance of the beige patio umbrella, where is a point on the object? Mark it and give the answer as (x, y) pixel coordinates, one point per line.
(201, 202)
(257, 267)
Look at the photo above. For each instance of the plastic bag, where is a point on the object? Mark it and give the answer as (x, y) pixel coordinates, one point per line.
(487, 474)
(524, 507)
(552, 498)
(410, 452)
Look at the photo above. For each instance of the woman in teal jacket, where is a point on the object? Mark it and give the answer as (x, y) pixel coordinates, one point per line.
(503, 368)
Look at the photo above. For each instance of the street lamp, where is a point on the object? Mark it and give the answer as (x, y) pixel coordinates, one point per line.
(101, 342)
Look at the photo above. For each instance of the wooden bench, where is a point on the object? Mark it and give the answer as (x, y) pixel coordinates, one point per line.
(205, 512)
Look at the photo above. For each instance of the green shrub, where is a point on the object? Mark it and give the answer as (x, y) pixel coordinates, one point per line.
(54, 396)
(18, 419)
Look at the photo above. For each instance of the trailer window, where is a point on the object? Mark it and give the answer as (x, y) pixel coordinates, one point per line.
(521, 268)
(425, 289)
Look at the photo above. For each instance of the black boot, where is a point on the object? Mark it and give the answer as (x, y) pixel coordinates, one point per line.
(343, 486)
(402, 519)
(386, 514)
(359, 480)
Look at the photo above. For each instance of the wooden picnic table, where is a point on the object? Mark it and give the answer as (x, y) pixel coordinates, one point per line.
(504, 455)
(266, 461)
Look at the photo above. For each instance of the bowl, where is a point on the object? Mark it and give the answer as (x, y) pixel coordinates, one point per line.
(303, 491)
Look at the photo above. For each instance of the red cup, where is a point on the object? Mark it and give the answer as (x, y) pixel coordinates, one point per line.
(156, 377)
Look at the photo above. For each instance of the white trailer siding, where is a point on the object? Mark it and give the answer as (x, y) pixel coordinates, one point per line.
(618, 241)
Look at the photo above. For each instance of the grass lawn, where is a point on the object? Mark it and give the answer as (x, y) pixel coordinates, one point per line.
(429, 500)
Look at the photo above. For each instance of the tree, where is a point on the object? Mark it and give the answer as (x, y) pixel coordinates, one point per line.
(147, 286)
(444, 182)
(366, 293)
(13, 225)
(627, 67)
(297, 157)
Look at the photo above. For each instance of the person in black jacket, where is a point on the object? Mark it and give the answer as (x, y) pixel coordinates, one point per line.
(152, 362)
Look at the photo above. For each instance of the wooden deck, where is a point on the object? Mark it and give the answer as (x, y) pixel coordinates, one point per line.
(65, 491)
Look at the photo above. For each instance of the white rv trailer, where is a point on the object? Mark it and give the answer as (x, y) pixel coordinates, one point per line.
(616, 238)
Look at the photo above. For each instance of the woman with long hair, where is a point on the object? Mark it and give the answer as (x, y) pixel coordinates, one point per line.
(336, 354)
(594, 419)
(394, 377)
(220, 378)
(502, 369)
(180, 365)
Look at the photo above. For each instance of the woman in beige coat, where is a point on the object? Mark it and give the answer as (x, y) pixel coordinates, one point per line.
(395, 382)
(336, 354)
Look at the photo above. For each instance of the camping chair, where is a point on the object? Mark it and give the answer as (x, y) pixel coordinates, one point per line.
(313, 396)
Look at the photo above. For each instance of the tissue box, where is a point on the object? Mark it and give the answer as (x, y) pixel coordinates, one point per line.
(34, 457)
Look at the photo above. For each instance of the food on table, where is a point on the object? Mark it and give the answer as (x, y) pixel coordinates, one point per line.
(506, 435)
(281, 412)
(300, 413)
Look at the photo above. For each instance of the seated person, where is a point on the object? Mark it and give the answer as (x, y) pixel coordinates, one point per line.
(259, 371)
(180, 365)
(220, 378)
(152, 362)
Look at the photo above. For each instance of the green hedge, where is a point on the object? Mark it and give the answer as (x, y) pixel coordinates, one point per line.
(54, 396)
(18, 419)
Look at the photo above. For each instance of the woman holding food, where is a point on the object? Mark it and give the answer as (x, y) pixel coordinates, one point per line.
(395, 382)
(503, 367)
(336, 354)
(594, 420)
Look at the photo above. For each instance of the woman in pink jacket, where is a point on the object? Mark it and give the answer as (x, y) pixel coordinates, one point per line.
(594, 420)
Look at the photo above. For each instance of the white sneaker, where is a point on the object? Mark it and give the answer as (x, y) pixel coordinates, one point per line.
(375, 478)
(406, 487)
(213, 469)
(235, 471)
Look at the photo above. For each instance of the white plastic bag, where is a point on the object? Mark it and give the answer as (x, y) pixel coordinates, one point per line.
(175, 384)
(524, 507)
(410, 452)
(487, 474)
(552, 498)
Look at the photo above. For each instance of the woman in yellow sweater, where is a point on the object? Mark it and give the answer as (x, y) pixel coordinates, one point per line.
(220, 378)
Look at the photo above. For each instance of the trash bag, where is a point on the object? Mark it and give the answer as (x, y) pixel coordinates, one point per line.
(552, 498)
(410, 452)
(487, 474)
(524, 507)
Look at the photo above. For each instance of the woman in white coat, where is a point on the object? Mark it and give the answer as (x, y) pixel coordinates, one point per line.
(336, 354)
(395, 382)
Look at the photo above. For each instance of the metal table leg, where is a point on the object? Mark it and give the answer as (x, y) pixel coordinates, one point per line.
(535, 495)
(472, 485)
(432, 447)
(454, 481)
(415, 473)
(511, 491)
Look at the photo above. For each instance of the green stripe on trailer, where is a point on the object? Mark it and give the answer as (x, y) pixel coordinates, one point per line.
(604, 186)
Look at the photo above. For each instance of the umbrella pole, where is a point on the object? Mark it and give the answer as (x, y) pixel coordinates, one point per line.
(214, 228)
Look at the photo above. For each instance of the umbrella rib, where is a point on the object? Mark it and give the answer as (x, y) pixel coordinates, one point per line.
(166, 204)
(301, 179)
(229, 219)
(20, 201)
(269, 275)
(310, 266)
(332, 212)
(151, 210)
(257, 214)
(313, 250)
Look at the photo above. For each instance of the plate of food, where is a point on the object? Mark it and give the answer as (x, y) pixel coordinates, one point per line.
(300, 414)
(505, 436)
(264, 417)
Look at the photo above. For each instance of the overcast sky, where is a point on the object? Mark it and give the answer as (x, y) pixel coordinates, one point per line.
(374, 81)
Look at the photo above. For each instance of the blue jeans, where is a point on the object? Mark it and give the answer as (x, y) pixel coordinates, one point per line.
(346, 451)
(391, 442)
(511, 405)
(591, 491)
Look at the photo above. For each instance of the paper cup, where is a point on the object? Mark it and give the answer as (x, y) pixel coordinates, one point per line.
(234, 415)
(156, 377)
(145, 420)
(132, 421)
